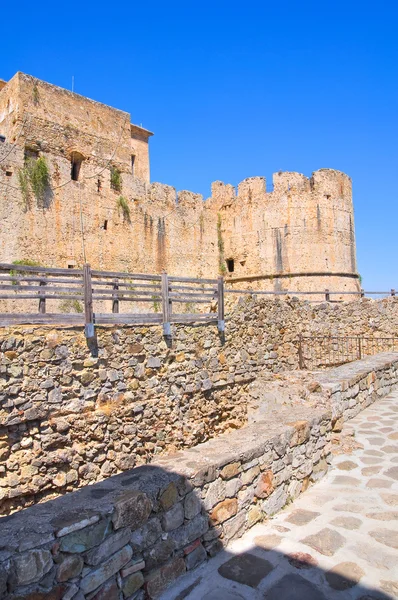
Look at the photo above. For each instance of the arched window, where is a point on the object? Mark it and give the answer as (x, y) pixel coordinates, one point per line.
(76, 160)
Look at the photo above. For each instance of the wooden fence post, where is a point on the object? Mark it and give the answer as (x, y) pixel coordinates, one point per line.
(392, 292)
(220, 297)
(327, 295)
(300, 352)
(359, 348)
(115, 298)
(42, 300)
(166, 305)
(362, 293)
(88, 302)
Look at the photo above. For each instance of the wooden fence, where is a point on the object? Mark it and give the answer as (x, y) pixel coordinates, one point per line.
(86, 287)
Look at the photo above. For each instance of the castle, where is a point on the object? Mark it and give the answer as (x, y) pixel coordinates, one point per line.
(97, 204)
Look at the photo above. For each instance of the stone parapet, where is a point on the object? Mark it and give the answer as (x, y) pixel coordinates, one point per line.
(352, 387)
(144, 528)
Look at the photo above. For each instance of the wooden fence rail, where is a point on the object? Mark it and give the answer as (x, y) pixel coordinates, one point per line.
(87, 287)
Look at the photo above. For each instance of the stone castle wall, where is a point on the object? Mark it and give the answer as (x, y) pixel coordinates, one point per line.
(68, 419)
(300, 236)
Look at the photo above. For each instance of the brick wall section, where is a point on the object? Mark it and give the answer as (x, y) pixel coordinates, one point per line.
(68, 419)
(133, 534)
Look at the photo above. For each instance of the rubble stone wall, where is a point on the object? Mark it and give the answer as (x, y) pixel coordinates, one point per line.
(68, 419)
(132, 535)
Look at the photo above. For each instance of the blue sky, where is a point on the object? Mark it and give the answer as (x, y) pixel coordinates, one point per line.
(233, 90)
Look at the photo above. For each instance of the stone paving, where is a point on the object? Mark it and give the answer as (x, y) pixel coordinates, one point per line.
(338, 540)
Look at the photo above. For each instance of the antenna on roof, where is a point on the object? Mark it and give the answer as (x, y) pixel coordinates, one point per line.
(73, 83)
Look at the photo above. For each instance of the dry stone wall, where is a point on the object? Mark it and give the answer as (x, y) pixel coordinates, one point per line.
(68, 419)
(132, 535)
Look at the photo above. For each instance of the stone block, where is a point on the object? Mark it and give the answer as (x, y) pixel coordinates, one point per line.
(160, 553)
(95, 578)
(254, 515)
(132, 584)
(163, 577)
(230, 470)
(215, 493)
(224, 510)
(169, 496)
(301, 433)
(189, 532)
(108, 591)
(192, 505)
(245, 497)
(132, 509)
(173, 518)
(248, 476)
(70, 567)
(274, 502)
(235, 526)
(196, 557)
(214, 547)
(132, 567)
(146, 536)
(265, 485)
(30, 567)
(232, 487)
(84, 539)
(108, 547)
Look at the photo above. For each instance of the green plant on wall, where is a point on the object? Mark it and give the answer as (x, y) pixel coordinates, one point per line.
(116, 179)
(220, 243)
(23, 179)
(34, 176)
(39, 177)
(123, 205)
(25, 262)
(156, 305)
(70, 306)
(360, 279)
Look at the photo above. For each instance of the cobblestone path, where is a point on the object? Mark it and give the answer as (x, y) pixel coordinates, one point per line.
(338, 540)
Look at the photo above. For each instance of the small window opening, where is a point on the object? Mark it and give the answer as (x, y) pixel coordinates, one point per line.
(132, 163)
(8, 173)
(70, 266)
(2, 138)
(99, 185)
(76, 163)
(328, 196)
(105, 226)
(230, 265)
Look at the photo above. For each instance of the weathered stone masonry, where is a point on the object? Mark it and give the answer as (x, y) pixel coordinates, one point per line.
(300, 236)
(142, 529)
(133, 534)
(68, 419)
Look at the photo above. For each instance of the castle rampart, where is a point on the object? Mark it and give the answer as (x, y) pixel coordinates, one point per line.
(300, 236)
